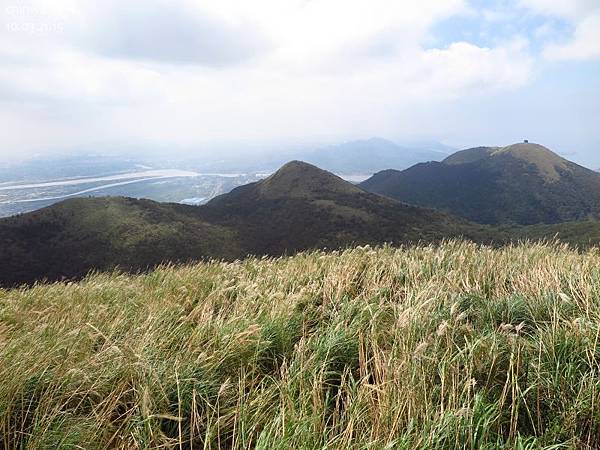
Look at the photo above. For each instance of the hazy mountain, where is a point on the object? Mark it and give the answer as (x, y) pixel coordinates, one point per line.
(299, 207)
(219, 170)
(521, 183)
(372, 155)
(363, 157)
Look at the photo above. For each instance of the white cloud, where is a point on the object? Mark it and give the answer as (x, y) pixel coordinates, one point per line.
(584, 15)
(544, 31)
(464, 67)
(585, 43)
(171, 33)
(262, 70)
(572, 9)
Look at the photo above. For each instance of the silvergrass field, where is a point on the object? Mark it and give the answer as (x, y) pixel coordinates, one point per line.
(446, 346)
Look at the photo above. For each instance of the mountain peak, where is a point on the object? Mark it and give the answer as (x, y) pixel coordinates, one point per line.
(300, 179)
(546, 161)
(297, 165)
(522, 183)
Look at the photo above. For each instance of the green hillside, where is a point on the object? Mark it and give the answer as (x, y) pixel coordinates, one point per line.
(438, 347)
(299, 207)
(584, 234)
(302, 207)
(523, 184)
(73, 237)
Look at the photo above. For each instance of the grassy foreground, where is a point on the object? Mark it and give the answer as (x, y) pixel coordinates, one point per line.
(453, 346)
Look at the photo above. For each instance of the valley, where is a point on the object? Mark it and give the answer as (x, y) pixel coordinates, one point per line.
(166, 185)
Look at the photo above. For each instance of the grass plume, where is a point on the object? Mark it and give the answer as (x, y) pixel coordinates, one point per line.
(434, 347)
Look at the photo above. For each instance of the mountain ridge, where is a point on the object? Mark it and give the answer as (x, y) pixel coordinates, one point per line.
(299, 207)
(521, 183)
(298, 178)
(302, 206)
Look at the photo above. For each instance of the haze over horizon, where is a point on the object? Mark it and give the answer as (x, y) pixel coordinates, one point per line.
(152, 74)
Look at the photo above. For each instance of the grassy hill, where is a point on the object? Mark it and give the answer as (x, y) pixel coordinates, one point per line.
(583, 235)
(523, 183)
(69, 239)
(299, 207)
(302, 207)
(437, 347)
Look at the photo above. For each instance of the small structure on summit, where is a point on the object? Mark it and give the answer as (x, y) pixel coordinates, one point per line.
(526, 141)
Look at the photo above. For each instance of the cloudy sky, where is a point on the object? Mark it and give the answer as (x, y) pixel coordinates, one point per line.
(185, 73)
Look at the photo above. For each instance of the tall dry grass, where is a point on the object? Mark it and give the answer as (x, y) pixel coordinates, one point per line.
(438, 347)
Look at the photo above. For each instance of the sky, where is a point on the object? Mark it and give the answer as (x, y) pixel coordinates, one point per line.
(187, 74)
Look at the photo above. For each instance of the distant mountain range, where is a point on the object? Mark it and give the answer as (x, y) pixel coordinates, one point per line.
(372, 155)
(360, 157)
(522, 183)
(303, 207)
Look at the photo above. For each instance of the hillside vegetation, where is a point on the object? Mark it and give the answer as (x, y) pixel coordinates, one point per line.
(523, 184)
(69, 239)
(300, 207)
(435, 347)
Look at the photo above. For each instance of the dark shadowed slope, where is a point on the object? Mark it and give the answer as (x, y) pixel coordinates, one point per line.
(299, 207)
(521, 183)
(71, 238)
(302, 206)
